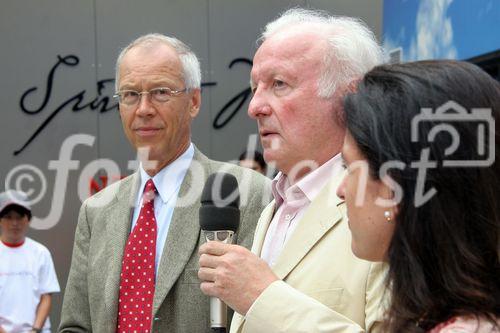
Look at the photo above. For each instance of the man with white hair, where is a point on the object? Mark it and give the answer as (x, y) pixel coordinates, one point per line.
(135, 259)
(301, 275)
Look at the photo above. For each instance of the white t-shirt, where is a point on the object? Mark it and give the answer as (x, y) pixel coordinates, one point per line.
(26, 273)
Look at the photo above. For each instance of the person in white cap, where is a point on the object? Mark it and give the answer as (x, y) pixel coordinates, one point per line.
(27, 274)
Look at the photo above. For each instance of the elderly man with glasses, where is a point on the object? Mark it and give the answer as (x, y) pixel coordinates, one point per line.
(134, 265)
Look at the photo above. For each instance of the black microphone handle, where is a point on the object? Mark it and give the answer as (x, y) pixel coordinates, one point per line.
(219, 217)
(219, 329)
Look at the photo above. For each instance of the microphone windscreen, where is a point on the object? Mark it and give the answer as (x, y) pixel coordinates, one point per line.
(221, 190)
(220, 201)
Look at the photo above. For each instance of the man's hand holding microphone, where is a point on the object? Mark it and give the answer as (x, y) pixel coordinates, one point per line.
(227, 272)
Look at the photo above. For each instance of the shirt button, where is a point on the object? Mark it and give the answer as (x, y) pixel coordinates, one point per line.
(288, 217)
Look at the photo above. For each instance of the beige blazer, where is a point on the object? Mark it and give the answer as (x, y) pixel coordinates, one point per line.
(323, 287)
(91, 295)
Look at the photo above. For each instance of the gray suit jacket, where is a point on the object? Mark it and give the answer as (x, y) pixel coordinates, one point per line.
(91, 295)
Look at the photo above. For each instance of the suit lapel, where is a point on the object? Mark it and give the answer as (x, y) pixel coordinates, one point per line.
(317, 220)
(118, 219)
(184, 231)
(260, 233)
(320, 217)
(258, 241)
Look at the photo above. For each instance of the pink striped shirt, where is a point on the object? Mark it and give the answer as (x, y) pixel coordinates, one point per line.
(291, 203)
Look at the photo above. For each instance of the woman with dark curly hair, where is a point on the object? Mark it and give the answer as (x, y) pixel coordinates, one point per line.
(423, 191)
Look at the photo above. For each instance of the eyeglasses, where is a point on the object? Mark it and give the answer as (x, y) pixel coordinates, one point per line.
(158, 95)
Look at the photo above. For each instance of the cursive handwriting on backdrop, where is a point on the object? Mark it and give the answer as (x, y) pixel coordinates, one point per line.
(103, 103)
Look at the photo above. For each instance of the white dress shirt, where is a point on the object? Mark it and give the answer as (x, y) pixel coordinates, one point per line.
(168, 183)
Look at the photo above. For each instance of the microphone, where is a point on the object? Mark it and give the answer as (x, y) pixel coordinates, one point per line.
(219, 220)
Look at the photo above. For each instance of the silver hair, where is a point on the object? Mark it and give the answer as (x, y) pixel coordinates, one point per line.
(352, 49)
(190, 64)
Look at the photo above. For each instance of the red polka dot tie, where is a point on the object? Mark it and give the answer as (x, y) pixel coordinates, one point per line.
(137, 278)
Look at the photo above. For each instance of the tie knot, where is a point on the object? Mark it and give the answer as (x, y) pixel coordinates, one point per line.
(150, 186)
(149, 190)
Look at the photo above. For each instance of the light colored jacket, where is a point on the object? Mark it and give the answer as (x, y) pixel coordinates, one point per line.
(323, 286)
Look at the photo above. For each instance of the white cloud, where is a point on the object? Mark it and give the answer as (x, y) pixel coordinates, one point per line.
(434, 32)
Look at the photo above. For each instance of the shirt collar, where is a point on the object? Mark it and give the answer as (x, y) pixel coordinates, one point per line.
(310, 185)
(168, 179)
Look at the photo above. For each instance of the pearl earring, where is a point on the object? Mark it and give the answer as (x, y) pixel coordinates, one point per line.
(387, 215)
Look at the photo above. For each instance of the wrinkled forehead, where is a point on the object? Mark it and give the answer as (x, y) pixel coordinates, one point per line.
(150, 54)
(292, 49)
(150, 61)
